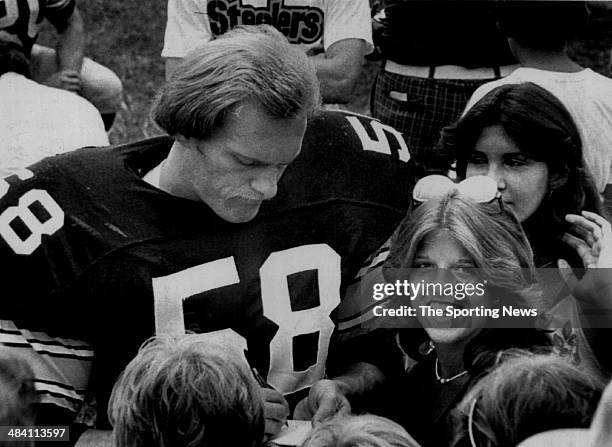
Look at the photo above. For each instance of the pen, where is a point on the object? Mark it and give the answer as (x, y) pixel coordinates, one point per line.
(258, 377)
(260, 380)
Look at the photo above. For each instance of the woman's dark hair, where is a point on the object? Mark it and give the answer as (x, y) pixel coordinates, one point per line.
(541, 127)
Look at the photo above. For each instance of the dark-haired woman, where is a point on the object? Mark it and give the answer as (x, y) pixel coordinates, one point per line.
(523, 137)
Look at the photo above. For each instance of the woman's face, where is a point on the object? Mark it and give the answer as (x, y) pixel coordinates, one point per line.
(438, 260)
(521, 180)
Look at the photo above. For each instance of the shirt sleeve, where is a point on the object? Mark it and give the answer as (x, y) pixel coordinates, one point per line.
(347, 19)
(29, 319)
(187, 27)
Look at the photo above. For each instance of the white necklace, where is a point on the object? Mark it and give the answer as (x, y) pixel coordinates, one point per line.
(444, 380)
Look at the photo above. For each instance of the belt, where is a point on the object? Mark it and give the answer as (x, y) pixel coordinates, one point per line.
(449, 71)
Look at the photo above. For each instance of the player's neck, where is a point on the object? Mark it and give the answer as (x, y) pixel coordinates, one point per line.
(172, 175)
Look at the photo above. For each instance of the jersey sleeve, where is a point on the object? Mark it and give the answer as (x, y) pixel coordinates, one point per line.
(30, 321)
(187, 27)
(52, 229)
(28, 214)
(355, 314)
(61, 367)
(347, 19)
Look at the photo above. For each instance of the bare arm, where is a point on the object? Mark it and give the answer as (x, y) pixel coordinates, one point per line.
(339, 68)
(69, 53)
(70, 46)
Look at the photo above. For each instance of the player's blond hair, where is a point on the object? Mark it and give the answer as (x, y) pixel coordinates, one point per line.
(253, 64)
(184, 393)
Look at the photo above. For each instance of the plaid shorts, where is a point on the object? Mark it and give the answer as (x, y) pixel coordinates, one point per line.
(420, 107)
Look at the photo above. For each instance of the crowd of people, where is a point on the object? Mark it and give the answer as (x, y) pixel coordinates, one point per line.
(206, 286)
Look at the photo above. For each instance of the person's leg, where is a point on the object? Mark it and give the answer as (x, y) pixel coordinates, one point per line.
(103, 88)
(99, 85)
(400, 101)
(43, 63)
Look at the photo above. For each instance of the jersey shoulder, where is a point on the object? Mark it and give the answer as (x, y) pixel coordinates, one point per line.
(61, 216)
(87, 179)
(349, 158)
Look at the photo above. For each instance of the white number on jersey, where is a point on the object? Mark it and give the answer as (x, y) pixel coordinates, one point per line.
(37, 228)
(277, 307)
(381, 144)
(9, 13)
(170, 291)
(23, 174)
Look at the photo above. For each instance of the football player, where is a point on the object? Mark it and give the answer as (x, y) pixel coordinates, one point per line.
(102, 248)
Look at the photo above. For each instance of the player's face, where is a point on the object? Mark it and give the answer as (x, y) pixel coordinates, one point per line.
(240, 165)
(521, 180)
(439, 258)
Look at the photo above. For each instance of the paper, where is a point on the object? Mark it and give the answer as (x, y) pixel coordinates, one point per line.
(293, 434)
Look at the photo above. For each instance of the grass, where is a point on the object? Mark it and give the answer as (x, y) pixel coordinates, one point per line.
(127, 36)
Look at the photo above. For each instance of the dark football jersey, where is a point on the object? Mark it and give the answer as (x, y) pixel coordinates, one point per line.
(92, 252)
(23, 18)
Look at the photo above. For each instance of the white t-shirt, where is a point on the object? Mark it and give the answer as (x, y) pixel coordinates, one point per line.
(310, 23)
(587, 95)
(39, 121)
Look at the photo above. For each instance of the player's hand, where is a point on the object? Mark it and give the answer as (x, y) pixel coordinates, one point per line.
(324, 400)
(594, 246)
(276, 411)
(69, 80)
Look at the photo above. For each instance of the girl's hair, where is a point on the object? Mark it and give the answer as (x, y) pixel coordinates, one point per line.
(493, 237)
(541, 127)
(359, 431)
(490, 233)
(525, 394)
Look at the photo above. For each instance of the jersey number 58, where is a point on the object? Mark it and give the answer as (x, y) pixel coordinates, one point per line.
(171, 290)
